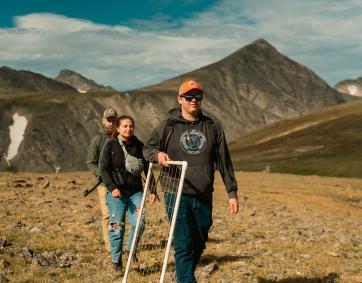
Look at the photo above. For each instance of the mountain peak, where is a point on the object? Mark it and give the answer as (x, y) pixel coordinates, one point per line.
(261, 42)
(81, 83)
(258, 46)
(351, 86)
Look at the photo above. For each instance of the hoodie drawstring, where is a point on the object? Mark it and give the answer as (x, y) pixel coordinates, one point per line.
(188, 134)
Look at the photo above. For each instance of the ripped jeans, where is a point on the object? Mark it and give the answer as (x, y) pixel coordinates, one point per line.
(117, 211)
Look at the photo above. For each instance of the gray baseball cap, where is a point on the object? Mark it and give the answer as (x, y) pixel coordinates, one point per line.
(109, 112)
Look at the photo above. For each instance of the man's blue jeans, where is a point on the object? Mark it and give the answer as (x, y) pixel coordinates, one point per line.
(193, 222)
(117, 210)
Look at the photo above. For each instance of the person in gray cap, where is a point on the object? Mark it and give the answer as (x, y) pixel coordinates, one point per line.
(95, 148)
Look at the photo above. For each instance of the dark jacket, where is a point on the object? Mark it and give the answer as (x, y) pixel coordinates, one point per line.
(202, 144)
(112, 158)
(94, 151)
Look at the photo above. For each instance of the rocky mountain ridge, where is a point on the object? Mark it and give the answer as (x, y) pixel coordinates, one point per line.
(14, 81)
(352, 87)
(81, 83)
(251, 88)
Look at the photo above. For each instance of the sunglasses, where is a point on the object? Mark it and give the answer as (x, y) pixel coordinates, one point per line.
(190, 97)
(111, 119)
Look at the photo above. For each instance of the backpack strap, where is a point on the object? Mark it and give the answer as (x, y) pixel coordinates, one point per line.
(124, 148)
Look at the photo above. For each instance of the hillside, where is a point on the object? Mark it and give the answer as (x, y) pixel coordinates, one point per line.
(253, 87)
(324, 143)
(249, 89)
(13, 81)
(81, 83)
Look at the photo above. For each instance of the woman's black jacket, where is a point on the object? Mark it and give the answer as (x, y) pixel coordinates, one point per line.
(112, 160)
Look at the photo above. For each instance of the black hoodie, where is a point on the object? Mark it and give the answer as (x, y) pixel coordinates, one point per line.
(112, 157)
(202, 144)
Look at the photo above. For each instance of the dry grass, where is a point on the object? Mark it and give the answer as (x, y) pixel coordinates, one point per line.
(326, 143)
(289, 229)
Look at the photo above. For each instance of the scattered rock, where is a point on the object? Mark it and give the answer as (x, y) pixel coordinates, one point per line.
(319, 230)
(207, 270)
(252, 211)
(305, 256)
(3, 279)
(72, 185)
(28, 254)
(77, 236)
(89, 221)
(46, 259)
(19, 185)
(56, 227)
(273, 276)
(268, 253)
(19, 224)
(170, 277)
(245, 271)
(66, 260)
(4, 264)
(4, 243)
(36, 229)
(22, 183)
(324, 237)
(56, 258)
(346, 239)
(46, 184)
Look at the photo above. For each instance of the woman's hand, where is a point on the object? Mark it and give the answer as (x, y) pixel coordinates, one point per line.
(153, 198)
(116, 193)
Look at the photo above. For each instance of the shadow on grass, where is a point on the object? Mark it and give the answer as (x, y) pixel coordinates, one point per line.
(145, 269)
(215, 241)
(329, 278)
(222, 258)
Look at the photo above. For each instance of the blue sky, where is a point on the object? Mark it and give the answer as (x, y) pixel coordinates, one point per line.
(110, 12)
(128, 44)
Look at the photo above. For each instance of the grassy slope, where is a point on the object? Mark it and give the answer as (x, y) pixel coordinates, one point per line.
(289, 228)
(323, 143)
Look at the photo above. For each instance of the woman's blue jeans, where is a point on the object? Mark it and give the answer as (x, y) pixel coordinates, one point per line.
(193, 222)
(117, 211)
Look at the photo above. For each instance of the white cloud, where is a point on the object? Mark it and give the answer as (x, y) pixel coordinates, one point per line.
(112, 55)
(55, 23)
(323, 35)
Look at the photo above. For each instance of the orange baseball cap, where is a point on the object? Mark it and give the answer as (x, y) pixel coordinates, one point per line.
(188, 85)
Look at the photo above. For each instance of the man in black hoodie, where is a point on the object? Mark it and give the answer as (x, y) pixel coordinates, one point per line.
(191, 136)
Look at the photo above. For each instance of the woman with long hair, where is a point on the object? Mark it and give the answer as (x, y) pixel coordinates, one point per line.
(121, 165)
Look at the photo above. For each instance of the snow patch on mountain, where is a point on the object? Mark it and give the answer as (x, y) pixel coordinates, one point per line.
(17, 130)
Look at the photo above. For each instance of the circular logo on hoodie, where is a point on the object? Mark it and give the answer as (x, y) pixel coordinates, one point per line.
(193, 141)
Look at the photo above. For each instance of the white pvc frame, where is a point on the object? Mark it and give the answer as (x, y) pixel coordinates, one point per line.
(173, 221)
